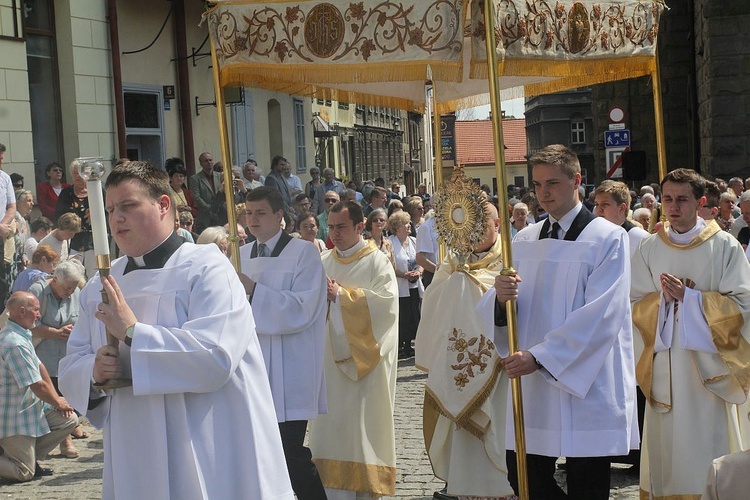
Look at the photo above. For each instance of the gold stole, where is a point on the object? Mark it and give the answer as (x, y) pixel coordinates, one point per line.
(355, 312)
(728, 376)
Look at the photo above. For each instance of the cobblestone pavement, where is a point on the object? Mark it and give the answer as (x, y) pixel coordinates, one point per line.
(81, 478)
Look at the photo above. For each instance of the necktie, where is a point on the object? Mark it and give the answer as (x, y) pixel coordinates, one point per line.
(554, 231)
(262, 250)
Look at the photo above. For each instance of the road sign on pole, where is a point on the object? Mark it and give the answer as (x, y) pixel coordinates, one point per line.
(614, 162)
(617, 139)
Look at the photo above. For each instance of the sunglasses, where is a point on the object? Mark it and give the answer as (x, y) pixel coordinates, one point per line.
(55, 170)
(18, 185)
(331, 200)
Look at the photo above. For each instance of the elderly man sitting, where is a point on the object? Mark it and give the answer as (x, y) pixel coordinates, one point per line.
(33, 418)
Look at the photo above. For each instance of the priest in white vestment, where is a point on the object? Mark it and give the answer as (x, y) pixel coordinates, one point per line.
(691, 305)
(354, 445)
(198, 421)
(574, 336)
(466, 391)
(286, 285)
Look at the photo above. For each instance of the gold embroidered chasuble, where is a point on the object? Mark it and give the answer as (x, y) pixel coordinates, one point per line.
(353, 446)
(466, 390)
(693, 386)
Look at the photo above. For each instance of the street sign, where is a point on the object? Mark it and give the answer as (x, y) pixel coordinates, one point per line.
(614, 162)
(617, 139)
(617, 126)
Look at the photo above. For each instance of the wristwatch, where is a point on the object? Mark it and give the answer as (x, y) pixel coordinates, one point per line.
(129, 335)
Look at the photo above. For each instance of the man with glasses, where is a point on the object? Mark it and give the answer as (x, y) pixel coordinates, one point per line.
(329, 199)
(329, 184)
(249, 179)
(354, 445)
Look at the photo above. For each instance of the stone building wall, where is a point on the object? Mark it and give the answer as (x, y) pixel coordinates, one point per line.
(704, 60)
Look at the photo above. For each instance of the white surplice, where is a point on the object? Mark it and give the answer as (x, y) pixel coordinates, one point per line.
(198, 422)
(693, 360)
(354, 445)
(289, 306)
(574, 317)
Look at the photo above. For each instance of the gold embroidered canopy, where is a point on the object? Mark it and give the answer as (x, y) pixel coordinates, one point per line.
(382, 52)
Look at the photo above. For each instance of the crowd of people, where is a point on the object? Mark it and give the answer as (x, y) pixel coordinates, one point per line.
(631, 313)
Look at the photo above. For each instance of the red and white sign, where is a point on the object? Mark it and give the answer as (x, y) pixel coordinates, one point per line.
(616, 115)
(614, 162)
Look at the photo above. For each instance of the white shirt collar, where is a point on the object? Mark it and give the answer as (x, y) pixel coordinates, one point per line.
(271, 243)
(567, 220)
(351, 251)
(139, 260)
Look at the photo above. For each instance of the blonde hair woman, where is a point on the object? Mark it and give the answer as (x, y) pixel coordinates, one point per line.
(408, 274)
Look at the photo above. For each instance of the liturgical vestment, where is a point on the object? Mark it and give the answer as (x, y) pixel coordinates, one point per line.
(693, 359)
(353, 446)
(466, 390)
(198, 422)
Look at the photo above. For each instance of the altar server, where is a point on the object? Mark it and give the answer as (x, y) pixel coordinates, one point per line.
(574, 336)
(286, 285)
(198, 421)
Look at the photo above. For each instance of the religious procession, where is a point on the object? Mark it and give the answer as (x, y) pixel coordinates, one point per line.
(226, 332)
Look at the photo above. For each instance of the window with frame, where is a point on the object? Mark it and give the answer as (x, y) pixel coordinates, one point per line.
(577, 131)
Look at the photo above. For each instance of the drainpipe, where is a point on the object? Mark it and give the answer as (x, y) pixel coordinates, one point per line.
(114, 41)
(183, 86)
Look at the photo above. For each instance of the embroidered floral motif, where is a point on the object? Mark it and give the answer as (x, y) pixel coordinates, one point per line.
(467, 359)
(568, 27)
(313, 32)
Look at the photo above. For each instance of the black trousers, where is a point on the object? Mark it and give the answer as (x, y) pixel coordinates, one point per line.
(408, 320)
(302, 471)
(587, 477)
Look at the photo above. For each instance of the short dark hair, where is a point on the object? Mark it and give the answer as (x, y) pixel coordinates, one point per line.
(173, 163)
(304, 216)
(154, 179)
(2, 147)
(276, 160)
(40, 223)
(300, 198)
(712, 194)
(689, 176)
(355, 210)
(53, 165)
(271, 194)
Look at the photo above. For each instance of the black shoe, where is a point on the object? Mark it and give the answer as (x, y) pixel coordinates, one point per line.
(40, 471)
(443, 495)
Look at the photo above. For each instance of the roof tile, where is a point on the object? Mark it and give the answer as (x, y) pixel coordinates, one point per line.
(474, 141)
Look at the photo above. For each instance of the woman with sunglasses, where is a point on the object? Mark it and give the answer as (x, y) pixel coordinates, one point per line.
(375, 227)
(47, 192)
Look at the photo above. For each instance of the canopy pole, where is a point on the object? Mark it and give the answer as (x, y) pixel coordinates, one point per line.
(437, 145)
(502, 202)
(661, 148)
(234, 241)
(661, 151)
